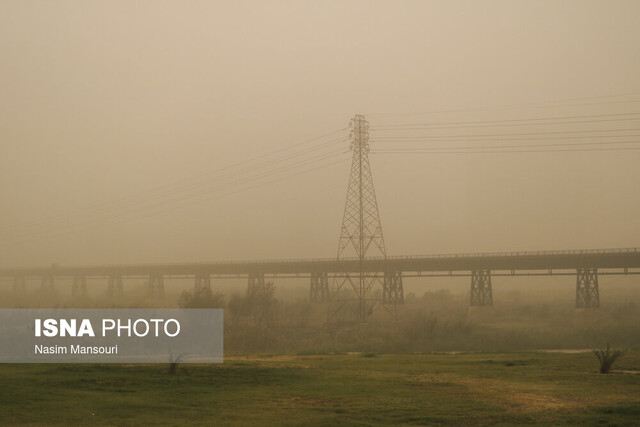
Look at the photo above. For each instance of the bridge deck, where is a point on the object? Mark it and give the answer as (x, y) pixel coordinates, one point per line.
(530, 261)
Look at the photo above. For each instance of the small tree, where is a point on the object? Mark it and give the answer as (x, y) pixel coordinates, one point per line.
(258, 304)
(201, 299)
(174, 362)
(607, 358)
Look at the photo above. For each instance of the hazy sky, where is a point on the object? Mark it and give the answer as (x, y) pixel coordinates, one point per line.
(105, 106)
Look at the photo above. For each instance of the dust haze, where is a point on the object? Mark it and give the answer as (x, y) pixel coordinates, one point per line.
(166, 132)
(102, 102)
(411, 212)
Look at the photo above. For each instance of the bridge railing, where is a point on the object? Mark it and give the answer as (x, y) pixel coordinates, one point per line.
(398, 257)
(523, 253)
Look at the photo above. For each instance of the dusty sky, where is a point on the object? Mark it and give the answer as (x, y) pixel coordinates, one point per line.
(105, 106)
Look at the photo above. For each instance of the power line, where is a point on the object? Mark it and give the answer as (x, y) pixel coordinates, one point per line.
(566, 103)
(69, 228)
(175, 188)
(517, 145)
(261, 184)
(537, 138)
(508, 120)
(461, 125)
(301, 195)
(480, 151)
(221, 186)
(591, 131)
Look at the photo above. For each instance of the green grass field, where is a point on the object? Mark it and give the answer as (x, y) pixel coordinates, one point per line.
(473, 388)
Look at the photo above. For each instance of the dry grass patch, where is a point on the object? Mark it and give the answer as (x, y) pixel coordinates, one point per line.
(504, 394)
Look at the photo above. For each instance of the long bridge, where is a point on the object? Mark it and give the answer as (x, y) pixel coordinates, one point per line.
(361, 234)
(586, 265)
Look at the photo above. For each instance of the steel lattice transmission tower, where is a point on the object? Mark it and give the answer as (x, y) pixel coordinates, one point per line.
(361, 233)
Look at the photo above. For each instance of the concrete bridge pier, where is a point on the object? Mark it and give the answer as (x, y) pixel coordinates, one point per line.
(114, 286)
(319, 290)
(257, 285)
(48, 283)
(19, 284)
(587, 292)
(79, 287)
(392, 288)
(156, 286)
(481, 292)
(203, 284)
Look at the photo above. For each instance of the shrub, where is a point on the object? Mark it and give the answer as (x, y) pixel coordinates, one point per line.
(607, 358)
(201, 299)
(174, 362)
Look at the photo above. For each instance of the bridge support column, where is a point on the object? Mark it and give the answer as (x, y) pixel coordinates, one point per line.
(114, 287)
(156, 286)
(481, 292)
(48, 283)
(203, 284)
(587, 292)
(319, 290)
(79, 288)
(392, 289)
(19, 284)
(257, 285)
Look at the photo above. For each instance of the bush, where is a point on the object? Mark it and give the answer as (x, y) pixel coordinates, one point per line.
(174, 362)
(202, 299)
(607, 358)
